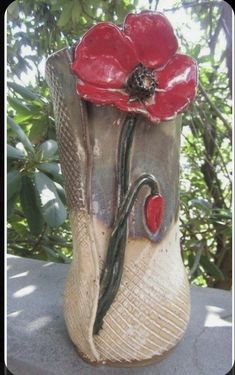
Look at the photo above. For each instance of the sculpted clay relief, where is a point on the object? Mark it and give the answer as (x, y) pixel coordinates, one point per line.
(117, 100)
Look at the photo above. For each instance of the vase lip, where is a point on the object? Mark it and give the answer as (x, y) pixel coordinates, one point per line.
(66, 51)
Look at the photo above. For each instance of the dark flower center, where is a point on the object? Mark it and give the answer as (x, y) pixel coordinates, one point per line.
(141, 83)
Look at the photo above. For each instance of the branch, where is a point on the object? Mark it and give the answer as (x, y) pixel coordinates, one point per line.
(215, 109)
(208, 170)
(201, 113)
(214, 38)
(195, 4)
(40, 238)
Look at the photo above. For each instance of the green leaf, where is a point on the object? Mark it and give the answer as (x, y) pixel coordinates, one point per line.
(21, 228)
(211, 268)
(19, 106)
(196, 50)
(201, 203)
(11, 205)
(53, 210)
(52, 169)
(61, 192)
(203, 59)
(21, 118)
(37, 132)
(65, 15)
(76, 12)
(14, 153)
(23, 91)
(222, 214)
(196, 261)
(21, 134)
(53, 255)
(30, 206)
(19, 146)
(48, 149)
(13, 183)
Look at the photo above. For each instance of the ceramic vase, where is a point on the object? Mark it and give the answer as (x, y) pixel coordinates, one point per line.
(150, 311)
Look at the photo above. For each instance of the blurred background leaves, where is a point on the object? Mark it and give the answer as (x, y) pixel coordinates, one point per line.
(36, 202)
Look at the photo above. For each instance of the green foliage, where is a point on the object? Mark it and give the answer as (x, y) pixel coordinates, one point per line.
(206, 198)
(30, 206)
(37, 224)
(53, 210)
(14, 181)
(14, 153)
(36, 203)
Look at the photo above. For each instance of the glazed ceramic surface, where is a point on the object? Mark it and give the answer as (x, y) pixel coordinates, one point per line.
(151, 308)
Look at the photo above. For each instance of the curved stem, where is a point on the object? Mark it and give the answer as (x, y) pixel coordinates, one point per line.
(125, 143)
(126, 139)
(112, 274)
(123, 171)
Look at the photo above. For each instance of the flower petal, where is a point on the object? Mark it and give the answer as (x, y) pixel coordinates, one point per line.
(104, 56)
(179, 80)
(153, 37)
(181, 69)
(116, 97)
(133, 107)
(100, 95)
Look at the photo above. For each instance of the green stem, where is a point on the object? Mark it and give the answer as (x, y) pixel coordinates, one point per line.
(123, 171)
(113, 270)
(116, 262)
(126, 139)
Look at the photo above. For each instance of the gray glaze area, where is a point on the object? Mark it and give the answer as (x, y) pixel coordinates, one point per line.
(155, 150)
(104, 124)
(38, 342)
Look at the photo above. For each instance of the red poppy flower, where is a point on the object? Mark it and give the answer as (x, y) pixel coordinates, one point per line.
(137, 69)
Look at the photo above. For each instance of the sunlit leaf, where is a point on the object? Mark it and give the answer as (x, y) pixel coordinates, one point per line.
(61, 192)
(13, 183)
(211, 268)
(23, 91)
(21, 134)
(53, 210)
(52, 169)
(196, 50)
(30, 206)
(14, 153)
(19, 106)
(48, 149)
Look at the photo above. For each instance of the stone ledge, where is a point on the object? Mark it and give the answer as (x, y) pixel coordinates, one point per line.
(38, 343)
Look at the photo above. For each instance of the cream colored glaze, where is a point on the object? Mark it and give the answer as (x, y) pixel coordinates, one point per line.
(82, 286)
(150, 312)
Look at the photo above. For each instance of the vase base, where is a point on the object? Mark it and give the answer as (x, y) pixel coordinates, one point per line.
(123, 364)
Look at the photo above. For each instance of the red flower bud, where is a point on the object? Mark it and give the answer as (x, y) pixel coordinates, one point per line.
(154, 212)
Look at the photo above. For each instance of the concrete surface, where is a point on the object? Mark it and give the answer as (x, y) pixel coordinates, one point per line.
(38, 343)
